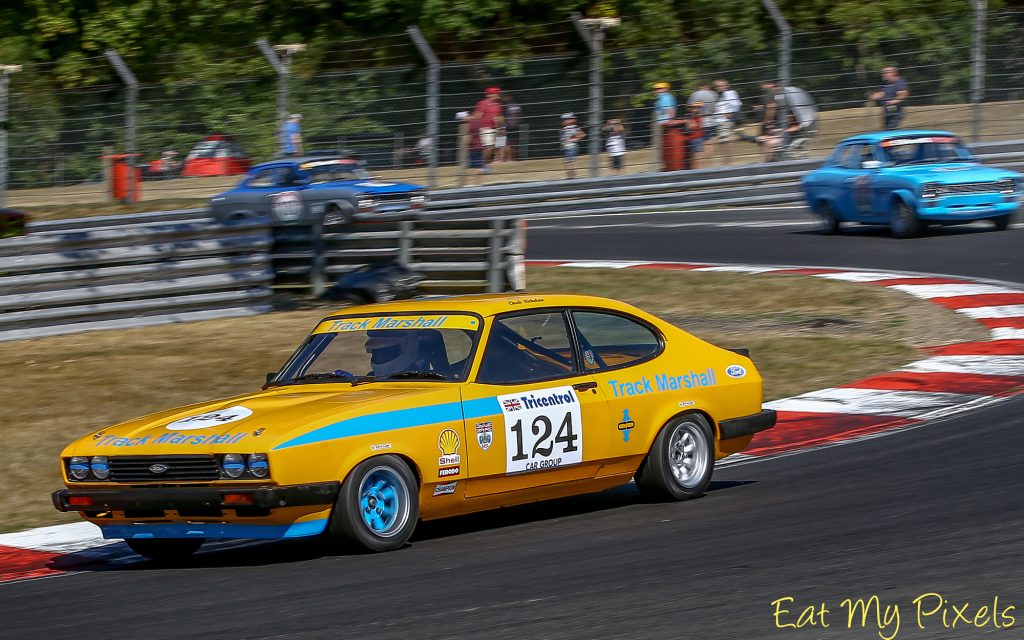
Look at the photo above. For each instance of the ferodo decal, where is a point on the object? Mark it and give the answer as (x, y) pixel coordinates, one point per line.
(287, 206)
(211, 419)
(543, 429)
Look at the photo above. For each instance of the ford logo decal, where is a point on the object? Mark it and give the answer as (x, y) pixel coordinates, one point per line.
(157, 468)
(735, 371)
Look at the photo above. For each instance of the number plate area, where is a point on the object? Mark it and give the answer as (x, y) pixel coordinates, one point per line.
(543, 429)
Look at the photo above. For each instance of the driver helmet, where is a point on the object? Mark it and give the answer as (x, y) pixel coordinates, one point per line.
(391, 350)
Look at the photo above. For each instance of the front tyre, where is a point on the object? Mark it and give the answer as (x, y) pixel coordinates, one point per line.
(377, 507)
(1002, 223)
(903, 221)
(680, 462)
(165, 550)
(828, 221)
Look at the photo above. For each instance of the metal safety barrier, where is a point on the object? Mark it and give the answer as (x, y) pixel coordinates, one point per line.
(119, 277)
(464, 256)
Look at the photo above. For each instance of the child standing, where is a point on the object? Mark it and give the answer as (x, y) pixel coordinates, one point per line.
(615, 144)
(570, 138)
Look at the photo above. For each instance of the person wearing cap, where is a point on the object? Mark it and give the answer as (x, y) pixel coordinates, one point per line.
(707, 98)
(570, 137)
(291, 136)
(491, 117)
(664, 102)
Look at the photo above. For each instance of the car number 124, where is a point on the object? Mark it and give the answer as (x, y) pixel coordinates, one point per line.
(543, 429)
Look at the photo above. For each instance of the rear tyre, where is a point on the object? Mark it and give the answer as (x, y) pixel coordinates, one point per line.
(828, 221)
(680, 462)
(903, 222)
(165, 550)
(377, 507)
(1002, 223)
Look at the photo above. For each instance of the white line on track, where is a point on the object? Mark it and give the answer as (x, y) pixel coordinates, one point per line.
(907, 404)
(951, 290)
(1001, 311)
(983, 365)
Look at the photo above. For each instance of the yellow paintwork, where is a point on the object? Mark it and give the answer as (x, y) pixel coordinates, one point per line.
(408, 418)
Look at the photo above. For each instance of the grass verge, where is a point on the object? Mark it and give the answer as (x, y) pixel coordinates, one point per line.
(804, 333)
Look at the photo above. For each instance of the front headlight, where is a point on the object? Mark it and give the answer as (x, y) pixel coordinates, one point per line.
(100, 467)
(259, 466)
(78, 468)
(233, 465)
(931, 190)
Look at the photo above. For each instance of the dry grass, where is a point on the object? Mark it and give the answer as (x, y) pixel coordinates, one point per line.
(804, 334)
(1001, 121)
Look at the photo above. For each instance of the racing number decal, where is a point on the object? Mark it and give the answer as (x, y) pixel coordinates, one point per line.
(287, 206)
(543, 429)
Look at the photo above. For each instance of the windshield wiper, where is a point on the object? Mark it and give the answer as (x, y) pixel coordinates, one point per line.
(401, 375)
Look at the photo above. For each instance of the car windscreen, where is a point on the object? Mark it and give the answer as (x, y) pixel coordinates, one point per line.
(436, 346)
(924, 150)
(323, 171)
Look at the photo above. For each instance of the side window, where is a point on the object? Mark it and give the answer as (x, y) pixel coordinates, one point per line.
(608, 341)
(852, 159)
(527, 348)
(273, 177)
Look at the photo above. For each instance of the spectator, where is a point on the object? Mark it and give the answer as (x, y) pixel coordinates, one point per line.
(664, 102)
(694, 127)
(802, 118)
(291, 136)
(490, 119)
(615, 144)
(513, 116)
(892, 97)
(474, 129)
(570, 138)
(726, 113)
(423, 147)
(170, 166)
(707, 98)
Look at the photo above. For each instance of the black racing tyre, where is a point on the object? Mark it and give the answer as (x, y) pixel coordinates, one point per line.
(828, 221)
(340, 215)
(165, 550)
(681, 460)
(1002, 223)
(377, 507)
(903, 222)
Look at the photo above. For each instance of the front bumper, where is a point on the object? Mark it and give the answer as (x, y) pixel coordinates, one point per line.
(967, 208)
(186, 499)
(747, 425)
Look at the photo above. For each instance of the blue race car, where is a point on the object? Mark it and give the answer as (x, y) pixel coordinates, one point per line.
(334, 188)
(909, 179)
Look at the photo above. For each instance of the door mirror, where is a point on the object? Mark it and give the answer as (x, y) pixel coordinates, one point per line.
(271, 376)
(872, 165)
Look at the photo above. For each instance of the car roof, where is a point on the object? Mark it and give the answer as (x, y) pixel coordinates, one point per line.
(489, 304)
(305, 159)
(878, 136)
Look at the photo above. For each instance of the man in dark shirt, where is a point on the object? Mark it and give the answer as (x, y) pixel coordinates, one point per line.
(892, 98)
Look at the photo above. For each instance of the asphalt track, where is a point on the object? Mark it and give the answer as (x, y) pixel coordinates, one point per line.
(934, 509)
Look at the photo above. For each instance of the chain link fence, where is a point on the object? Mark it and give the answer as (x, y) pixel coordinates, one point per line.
(370, 97)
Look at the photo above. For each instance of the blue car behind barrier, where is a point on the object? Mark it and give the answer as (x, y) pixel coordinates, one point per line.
(908, 179)
(334, 189)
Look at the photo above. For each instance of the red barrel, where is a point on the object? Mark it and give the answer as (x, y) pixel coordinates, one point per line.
(125, 177)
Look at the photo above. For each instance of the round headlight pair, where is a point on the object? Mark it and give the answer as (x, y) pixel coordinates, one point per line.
(79, 468)
(234, 465)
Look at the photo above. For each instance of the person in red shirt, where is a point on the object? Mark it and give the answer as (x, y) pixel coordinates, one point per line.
(491, 118)
(474, 127)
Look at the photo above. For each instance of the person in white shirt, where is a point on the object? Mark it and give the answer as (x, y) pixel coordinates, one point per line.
(615, 144)
(725, 113)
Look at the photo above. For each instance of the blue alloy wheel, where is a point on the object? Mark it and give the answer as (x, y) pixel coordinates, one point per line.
(384, 502)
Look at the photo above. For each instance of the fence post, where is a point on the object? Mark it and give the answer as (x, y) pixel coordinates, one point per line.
(433, 100)
(978, 66)
(462, 154)
(280, 58)
(785, 52)
(405, 229)
(496, 243)
(132, 85)
(656, 142)
(5, 78)
(318, 267)
(592, 31)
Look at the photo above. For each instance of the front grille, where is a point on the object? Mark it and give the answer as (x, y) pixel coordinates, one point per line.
(136, 468)
(969, 188)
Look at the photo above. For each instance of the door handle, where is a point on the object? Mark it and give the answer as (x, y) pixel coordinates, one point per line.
(583, 386)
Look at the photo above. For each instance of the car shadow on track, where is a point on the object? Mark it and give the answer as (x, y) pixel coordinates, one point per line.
(222, 554)
(882, 231)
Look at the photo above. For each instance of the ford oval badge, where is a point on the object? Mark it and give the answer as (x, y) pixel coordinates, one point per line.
(157, 468)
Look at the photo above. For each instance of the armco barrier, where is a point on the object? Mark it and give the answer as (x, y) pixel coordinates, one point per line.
(118, 277)
(765, 184)
(467, 256)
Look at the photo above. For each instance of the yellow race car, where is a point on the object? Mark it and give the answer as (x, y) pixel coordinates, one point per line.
(392, 413)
